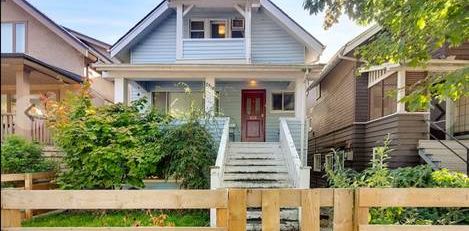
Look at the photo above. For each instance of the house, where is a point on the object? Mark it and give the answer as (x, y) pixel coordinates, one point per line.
(354, 113)
(246, 62)
(40, 57)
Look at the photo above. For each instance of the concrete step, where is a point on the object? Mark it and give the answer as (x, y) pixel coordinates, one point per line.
(256, 162)
(255, 169)
(256, 184)
(289, 214)
(248, 149)
(250, 176)
(284, 226)
(242, 156)
(254, 144)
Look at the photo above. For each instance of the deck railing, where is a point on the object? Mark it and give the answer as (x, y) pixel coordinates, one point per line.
(39, 131)
(350, 207)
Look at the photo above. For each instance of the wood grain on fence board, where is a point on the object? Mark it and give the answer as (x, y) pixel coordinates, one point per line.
(360, 215)
(237, 214)
(222, 217)
(109, 199)
(343, 210)
(270, 210)
(10, 218)
(310, 210)
(290, 198)
(414, 197)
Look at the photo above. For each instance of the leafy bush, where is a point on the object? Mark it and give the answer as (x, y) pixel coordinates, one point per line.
(110, 146)
(378, 175)
(20, 155)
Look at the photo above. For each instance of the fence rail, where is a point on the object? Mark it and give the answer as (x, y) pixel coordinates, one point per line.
(351, 207)
(31, 181)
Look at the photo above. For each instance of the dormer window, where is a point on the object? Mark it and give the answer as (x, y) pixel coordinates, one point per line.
(13, 37)
(197, 29)
(218, 29)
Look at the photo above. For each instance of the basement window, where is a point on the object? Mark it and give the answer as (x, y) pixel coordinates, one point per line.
(317, 162)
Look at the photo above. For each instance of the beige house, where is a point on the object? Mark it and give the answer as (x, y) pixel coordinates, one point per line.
(40, 57)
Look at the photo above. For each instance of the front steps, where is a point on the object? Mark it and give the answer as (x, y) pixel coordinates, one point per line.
(259, 165)
(439, 156)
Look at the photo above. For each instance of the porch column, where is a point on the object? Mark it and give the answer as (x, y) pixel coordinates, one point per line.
(247, 20)
(400, 90)
(22, 121)
(210, 96)
(179, 31)
(300, 99)
(121, 90)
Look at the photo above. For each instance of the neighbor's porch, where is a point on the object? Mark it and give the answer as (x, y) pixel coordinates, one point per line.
(24, 82)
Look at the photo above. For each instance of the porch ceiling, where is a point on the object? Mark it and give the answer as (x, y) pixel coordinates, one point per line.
(234, 72)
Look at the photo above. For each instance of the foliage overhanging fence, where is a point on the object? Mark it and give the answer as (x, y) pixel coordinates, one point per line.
(350, 206)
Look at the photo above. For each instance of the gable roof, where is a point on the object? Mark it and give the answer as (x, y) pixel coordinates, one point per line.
(344, 51)
(163, 9)
(54, 27)
(92, 43)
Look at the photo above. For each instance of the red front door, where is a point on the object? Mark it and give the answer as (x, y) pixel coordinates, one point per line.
(253, 116)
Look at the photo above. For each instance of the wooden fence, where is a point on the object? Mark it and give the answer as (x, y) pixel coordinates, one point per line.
(30, 181)
(350, 207)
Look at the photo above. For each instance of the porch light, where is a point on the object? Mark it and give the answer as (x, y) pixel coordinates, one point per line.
(253, 82)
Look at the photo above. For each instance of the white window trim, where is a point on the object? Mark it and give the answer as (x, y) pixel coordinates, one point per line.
(190, 27)
(208, 28)
(317, 164)
(281, 111)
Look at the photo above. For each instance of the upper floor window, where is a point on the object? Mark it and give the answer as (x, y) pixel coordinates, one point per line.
(197, 29)
(237, 28)
(382, 100)
(218, 28)
(13, 37)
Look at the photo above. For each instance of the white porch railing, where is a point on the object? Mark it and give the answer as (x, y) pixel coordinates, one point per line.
(299, 174)
(8, 125)
(216, 172)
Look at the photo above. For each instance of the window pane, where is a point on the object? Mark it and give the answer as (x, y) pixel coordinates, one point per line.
(197, 25)
(257, 107)
(20, 37)
(237, 34)
(289, 101)
(277, 101)
(159, 101)
(180, 102)
(248, 106)
(7, 38)
(376, 97)
(389, 98)
(218, 29)
(200, 34)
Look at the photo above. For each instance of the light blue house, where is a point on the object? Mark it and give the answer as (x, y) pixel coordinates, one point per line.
(245, 61)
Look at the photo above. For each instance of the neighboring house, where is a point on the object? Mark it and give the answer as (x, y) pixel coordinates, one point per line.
(40, 57)
(245, 60)
(355, 113)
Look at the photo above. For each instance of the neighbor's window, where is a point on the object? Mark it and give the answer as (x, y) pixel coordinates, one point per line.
(13, 37)
(237, 28)
(329, 161)
(283, 101)
(197, 29)
(317, 163)
(218, 29)
(382, 98)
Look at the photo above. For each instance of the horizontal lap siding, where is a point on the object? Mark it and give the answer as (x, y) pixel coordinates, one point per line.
(214, 49)
(159, 46)
(272, 44)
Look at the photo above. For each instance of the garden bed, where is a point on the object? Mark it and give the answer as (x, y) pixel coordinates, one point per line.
(127, 218)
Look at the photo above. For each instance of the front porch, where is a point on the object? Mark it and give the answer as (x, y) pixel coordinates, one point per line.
(24, 82)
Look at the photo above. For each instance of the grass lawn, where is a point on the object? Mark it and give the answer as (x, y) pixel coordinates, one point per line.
(122, 218)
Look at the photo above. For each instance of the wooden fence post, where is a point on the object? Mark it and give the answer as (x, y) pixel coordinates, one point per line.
(28, 185)
(237, 209)
(270, 210)
(10, 218)
(360, 215)
(343, 210)
(310, 210)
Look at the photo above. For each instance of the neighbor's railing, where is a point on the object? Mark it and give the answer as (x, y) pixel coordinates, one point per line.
(8, 125)
(366, 198)
(350, 207)
(31, 181)
(299, 174)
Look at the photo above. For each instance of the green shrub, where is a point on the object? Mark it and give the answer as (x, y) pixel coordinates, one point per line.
(20, 155)
(377, 175)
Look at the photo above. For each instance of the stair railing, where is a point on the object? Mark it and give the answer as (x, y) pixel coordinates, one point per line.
(436, 126)
(217, 170)
(298, 173)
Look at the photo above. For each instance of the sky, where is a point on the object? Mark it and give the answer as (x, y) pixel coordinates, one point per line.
(108, 20)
